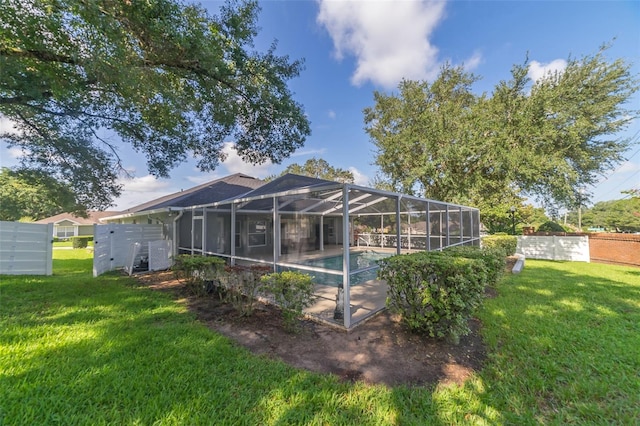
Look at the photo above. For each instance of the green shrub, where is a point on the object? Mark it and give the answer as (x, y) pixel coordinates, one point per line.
(201, 274)
(80, 242)
(292, 292)
(506, 243)
(493, 258)
(242, 285)
(551, 226)
(434, 292)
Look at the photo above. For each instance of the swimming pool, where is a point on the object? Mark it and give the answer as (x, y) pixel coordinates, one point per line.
(357, 260)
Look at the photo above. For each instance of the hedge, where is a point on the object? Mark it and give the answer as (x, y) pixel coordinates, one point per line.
(81, 242)
(506, 243)
(434, 292)
(493, 258)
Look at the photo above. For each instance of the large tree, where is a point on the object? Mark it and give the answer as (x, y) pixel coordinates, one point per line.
(614, 215)
(34, 195)
(317, 168)
(545, 139)
(165, 77)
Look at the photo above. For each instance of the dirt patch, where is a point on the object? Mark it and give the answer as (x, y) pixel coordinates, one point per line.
(381, 350)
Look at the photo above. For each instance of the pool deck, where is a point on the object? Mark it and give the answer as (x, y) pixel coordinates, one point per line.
(366, 300)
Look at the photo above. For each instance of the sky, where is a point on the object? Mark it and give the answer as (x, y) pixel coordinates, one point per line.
(353, 48)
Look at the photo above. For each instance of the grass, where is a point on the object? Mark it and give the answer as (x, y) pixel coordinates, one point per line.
(68, 244)
(564, 343)
(563, 339)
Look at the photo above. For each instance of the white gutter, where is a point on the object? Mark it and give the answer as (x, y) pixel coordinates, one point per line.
(141, 213)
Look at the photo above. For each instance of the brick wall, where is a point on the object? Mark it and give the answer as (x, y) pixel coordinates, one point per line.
(622, 249)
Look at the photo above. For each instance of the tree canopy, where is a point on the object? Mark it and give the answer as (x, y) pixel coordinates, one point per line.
(545, 139)
(165, 77)
(318, 168)
(497, 218)
(34, 195)
(615, 215)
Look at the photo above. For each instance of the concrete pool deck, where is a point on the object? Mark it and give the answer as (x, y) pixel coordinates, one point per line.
(367, 299)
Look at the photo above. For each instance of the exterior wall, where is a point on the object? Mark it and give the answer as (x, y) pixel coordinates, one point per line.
(25, 248)
(615, 248)
(85, 230)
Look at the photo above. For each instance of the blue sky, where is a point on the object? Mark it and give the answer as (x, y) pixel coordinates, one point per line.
(353, 48)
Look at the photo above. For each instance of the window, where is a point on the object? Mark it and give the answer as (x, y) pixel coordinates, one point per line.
(238, 238)
(257, 233)
(65, 231)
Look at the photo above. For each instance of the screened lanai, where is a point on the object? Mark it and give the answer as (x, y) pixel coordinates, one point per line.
(335, 232)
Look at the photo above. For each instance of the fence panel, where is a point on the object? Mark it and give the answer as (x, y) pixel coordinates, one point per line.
(552, 247)
(112, 242)
(26, 248)
(159, 255)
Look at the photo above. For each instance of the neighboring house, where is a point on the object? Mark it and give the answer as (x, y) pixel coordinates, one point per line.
(66, 225)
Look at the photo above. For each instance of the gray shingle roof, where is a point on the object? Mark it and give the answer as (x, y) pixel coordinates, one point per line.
(217, 190)
(93, 217)
(286, 183)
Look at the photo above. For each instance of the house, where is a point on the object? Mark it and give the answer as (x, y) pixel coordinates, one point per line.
(66, 225)
(169, 209)
(310, 225)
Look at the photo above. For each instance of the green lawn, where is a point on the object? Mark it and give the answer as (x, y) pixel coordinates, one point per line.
(68, 244)
(564, 343)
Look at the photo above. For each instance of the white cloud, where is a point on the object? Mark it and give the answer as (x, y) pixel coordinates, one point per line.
(148, 183)
(389, 39)
(331, 114)
(309, 152)
(538, 70)
(14, 152)
(235, 164)
(7, 126)
(138, 190)
(199, 179)
(473, 62)
(627, 167)
(9, 156)
(358, 177)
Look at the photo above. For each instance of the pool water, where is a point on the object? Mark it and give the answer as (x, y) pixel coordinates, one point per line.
(357, 260)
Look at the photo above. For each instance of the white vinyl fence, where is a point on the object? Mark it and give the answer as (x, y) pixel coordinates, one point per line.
(159, 255)
(112, 244)
(573, 248)
(158, 252)
(26, 248)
